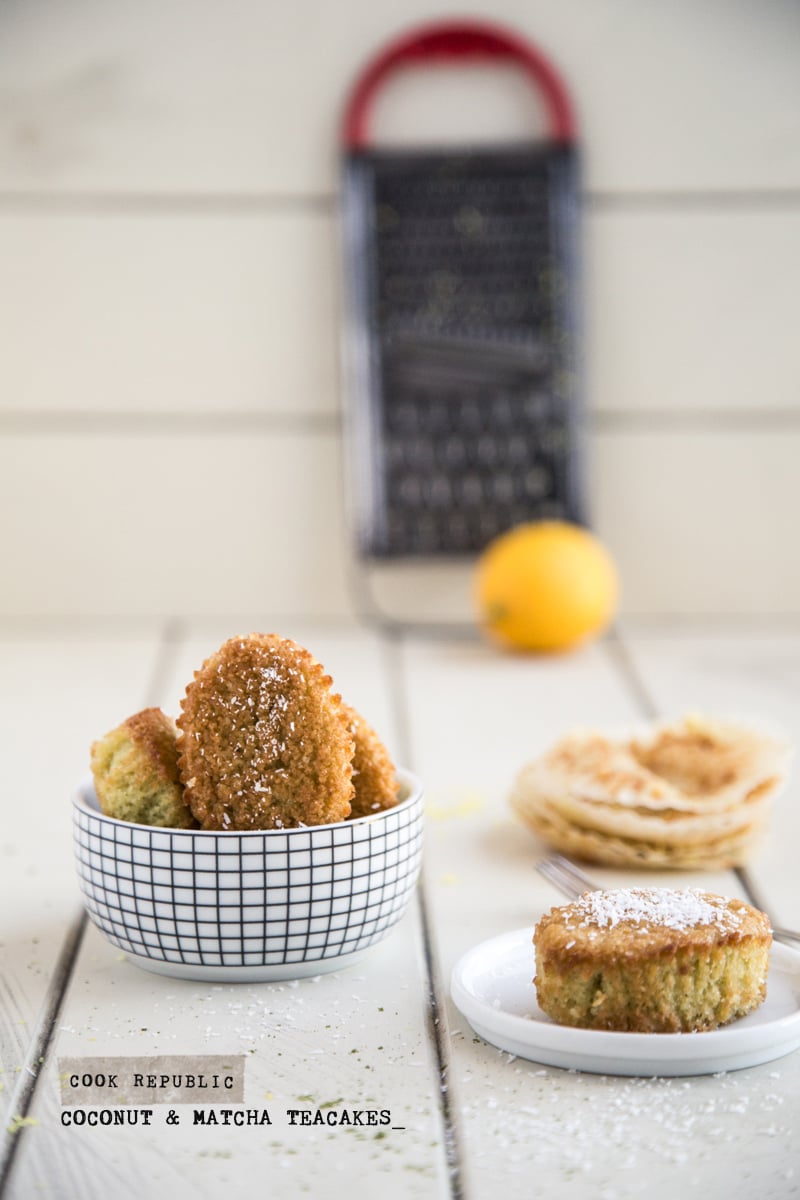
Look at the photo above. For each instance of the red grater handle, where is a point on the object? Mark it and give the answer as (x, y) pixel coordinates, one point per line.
(454, 42)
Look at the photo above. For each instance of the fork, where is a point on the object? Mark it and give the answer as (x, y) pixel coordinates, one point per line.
(570, 880)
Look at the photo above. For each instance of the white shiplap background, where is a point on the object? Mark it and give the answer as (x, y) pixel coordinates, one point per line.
(170, 293)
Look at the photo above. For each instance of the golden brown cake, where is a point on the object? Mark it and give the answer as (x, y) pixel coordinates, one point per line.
(264, 742)
(135, 770)
(696, 793)
(651, 960)
(374, 774)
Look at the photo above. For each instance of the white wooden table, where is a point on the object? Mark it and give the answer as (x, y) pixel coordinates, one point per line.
(466, 1120)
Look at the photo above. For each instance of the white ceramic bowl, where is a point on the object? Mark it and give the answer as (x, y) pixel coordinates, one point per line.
(260, 905)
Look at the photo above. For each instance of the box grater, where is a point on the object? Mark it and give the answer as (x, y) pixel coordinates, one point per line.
(460, 262)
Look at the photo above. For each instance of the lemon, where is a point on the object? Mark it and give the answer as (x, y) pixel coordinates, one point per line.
(546, 585)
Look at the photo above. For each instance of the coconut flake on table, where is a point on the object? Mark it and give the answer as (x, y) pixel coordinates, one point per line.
(667, 908)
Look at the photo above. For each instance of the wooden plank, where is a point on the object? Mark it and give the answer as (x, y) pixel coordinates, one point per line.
(354, 1040)
(473, 716)
(476, 716)
(699, 520)
(746, 674)
(97, 100)
(262, 525)
(216, 314)
(186, 313)
(671, 293)
(60, 690)
(183, 522)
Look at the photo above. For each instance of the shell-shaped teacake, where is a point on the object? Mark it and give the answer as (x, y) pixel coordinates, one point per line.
(135, 771)
(264, 742)
(374, 773)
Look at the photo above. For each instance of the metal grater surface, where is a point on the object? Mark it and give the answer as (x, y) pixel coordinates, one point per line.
(468, 275)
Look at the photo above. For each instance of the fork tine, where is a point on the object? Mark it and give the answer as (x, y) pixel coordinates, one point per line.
(555, 872)
(566, 876)
(785, 935)
(575, 873)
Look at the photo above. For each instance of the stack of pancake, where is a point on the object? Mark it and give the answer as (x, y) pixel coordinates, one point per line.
(692, 794)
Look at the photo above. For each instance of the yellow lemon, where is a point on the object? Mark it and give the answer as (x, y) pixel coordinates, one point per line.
(546, 585)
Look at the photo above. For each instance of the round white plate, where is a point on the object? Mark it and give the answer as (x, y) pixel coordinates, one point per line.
(492, 986)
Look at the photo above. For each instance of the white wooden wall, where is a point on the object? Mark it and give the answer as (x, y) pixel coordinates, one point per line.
(169, 293)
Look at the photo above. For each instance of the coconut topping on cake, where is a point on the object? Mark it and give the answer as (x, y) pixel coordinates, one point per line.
(666, 908)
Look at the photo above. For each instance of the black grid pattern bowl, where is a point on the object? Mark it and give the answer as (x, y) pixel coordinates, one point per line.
(259, 905)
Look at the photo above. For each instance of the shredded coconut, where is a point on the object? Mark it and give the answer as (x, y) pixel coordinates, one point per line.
(665, 907)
